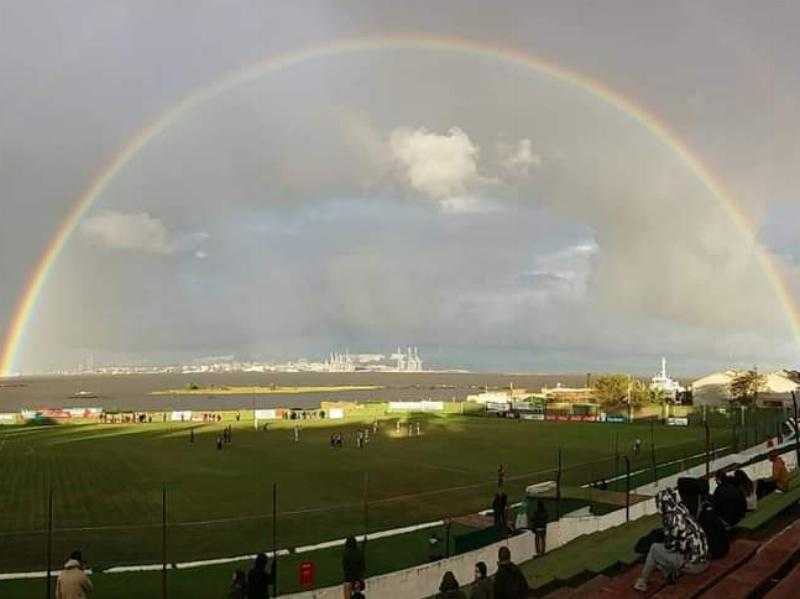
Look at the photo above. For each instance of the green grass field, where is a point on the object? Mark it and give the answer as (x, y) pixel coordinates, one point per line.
(107, 483)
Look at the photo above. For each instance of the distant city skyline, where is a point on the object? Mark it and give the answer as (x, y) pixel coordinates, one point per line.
(553, 188)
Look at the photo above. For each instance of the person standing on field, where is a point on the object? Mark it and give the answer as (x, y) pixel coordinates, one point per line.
(73, 583)
(539, 526)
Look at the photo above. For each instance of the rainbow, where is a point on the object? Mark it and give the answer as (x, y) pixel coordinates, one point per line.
(26, 305)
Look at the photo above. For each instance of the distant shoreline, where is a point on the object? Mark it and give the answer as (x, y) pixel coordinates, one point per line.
(258, 390)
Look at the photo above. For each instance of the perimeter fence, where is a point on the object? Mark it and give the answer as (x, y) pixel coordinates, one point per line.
(158, 526)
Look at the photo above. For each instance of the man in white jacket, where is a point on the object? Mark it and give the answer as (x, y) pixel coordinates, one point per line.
(73, 583)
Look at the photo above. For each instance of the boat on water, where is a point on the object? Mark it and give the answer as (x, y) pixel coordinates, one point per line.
(83, 395)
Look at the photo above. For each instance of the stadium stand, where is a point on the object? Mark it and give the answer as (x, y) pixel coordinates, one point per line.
(751, 569)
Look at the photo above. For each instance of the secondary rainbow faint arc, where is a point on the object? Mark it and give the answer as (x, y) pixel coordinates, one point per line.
(28, 300)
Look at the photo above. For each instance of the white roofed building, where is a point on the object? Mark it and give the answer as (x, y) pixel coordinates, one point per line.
(714, 389)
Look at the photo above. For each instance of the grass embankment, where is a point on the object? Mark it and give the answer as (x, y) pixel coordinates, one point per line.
(260, 390)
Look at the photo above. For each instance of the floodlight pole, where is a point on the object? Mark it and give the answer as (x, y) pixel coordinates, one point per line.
(164, 542)
(49, 539)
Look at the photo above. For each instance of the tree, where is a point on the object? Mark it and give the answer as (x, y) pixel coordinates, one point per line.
(745, 386)
(657, 396)
(617, 390)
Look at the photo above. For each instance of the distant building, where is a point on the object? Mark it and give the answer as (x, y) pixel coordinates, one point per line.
(671, 388)
(503, 395)
(714, 389)
(559, 394)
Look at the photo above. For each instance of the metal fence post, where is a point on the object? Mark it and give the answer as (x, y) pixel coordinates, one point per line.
(164, 542)
(366, 520)
(627, 489)
(275, 537)
(49, 540)
(558, 487)
(708, 446)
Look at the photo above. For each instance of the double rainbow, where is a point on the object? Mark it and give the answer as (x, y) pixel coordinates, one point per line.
(26, 305)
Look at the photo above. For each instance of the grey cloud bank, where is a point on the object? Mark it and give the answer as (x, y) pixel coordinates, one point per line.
(506, 219)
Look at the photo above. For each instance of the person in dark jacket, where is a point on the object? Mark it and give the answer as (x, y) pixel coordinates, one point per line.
(260, 578)
(716, 531)
(449, 589)
(499, 509)
(509, 582)
(482, 587)
(748, 489)
(539, 526)
(729, 502)
(353, 566)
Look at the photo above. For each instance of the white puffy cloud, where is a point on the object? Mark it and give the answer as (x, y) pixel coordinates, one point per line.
(441, 166)
(519, 158)
(129, 231)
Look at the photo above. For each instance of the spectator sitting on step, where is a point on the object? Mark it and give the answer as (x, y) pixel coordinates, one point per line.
(779, 480)
(747, 487)
(685, 546)
(728, 500)
(715, 529)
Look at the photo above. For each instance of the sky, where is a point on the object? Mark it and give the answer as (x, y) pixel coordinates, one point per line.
(497, 217)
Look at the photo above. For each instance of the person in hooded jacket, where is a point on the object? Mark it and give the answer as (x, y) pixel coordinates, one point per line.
(685, 546)
(509, 581)
(259, 578)
(449, 588)
(73, 583)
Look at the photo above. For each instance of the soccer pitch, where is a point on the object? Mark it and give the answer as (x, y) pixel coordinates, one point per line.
(107, 480)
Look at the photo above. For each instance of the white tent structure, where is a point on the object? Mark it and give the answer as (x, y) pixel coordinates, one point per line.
(714, 389)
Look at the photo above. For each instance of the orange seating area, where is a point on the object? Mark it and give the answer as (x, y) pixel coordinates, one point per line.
(750, 569)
